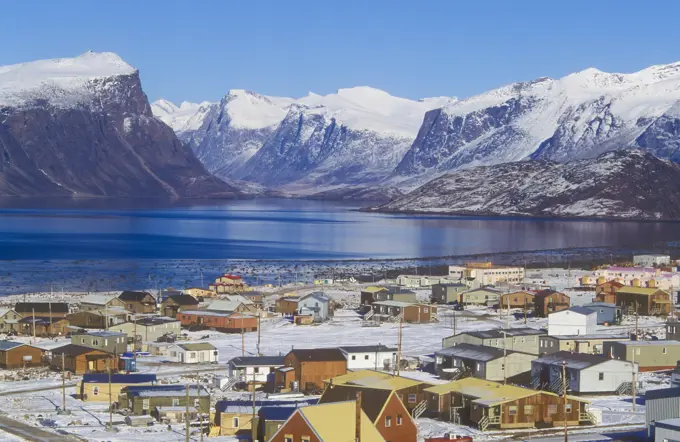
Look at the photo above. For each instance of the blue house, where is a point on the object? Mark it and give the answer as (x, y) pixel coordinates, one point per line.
(315, 304)
(609, 313)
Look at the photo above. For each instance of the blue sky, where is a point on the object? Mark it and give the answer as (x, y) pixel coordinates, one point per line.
(198, 50)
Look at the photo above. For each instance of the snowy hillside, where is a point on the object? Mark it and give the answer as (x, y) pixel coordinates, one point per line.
(621, 184)
(578, 116)
(185, 117)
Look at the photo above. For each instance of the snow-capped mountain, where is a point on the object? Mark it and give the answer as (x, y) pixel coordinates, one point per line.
(630, 184)
(183, 118)
(83, 126)
(355, 135)
(578, 116)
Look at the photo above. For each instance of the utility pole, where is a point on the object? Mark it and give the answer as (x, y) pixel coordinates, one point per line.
(252, 421)
(110, 394)
(507, 316)
(357, 417)
(505, 353)
(636, 321)
(454, 322)
(33, 325)
(564, 395)
(525, 310)
(63, 382)
(134, 340)
(243, 339)
(634, 380)
(401, 323)
(50, 307)
(259, 321)
(186, 416)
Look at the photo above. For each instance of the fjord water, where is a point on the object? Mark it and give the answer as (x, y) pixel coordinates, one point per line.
(282, 229)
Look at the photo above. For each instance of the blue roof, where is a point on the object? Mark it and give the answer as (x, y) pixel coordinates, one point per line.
(600, 304)
(276, 413)
(134, 378)
(581, 310)
(8, 345)
(235, 405)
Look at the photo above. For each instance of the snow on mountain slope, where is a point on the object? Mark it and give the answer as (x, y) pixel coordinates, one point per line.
(185, 117)
(578, 116)
(60, 81)
(622, 184)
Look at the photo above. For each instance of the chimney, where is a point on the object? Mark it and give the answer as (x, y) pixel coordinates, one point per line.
(357, 424)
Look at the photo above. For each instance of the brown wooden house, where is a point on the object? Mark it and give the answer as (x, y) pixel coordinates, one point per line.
(307, 368)
(647, 301)
(138, 302)
(43, 326)
(80, 360)
(491, 405)
(519, 299)
(173, 304)
(382, 406)
(549, 301)
(606, 292)
(97, 318)
(46, 309)
(19, 355)
(287, 305)
(415, 313)
(223, 322)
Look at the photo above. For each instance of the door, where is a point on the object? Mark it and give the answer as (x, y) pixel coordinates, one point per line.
(90, 365)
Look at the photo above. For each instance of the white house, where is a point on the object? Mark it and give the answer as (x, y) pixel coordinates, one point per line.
(193, 353)
(315, 304)
(373, 357)
(586, 373)
(651, 260)
(572, 321)
(254, 368)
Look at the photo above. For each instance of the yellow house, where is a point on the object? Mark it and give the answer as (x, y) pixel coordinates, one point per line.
(95, 387)
(197, 291)
(234, 420)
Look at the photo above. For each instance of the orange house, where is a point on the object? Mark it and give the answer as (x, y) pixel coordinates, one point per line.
(224, 322)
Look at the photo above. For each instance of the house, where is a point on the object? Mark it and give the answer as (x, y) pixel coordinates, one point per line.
(490, 405)
(447, 293)
(549, 301)
(235, 417)
(143, 399)
(479, 361)
(317, 305)
(228, 284)
(486, 273)
(591, 344)
(586, 373)
(410, 391)
(333, 422)
(193, 353)
(650, 355)
(270, 419)
(606, 291)
(80, 360)
(371, 294)
(661, 405)
(173, 304)
(287, 305)
(383, 407)
(233, 304)
(673, 329)
(198, 292)
(418, 313)
(9, 321)
(647, 301)
(519, 299)
(104, 340)
(667, 430)
(373, 357)
(95, 387)
(481, 296)
(651, 260)
(98, 318)
(306, 369)
(524, 340)
(258, 369)
(149, 328)
(224, 322)
(389, 293)
(138, 302)
(42, 309)
(19, 355)
(43, 326)
(572, 321)
(606, 313)
(100, 301)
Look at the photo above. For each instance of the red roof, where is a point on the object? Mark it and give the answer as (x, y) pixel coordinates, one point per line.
(231, 276)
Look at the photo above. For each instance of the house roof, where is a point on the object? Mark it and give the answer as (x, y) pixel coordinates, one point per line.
(318, 354)
(638, 290)
(133, 296)
(662, 393)
(153, 320)
(496, 333)
(484, 289)
(588, 337)
(270, 413)
(600, 305)
(671, 424)
(480, 353)
(225, 305)
(246, 406)
(8, 345)
(395, 290)
(198, 346)
(230, 276)
(132, 378)
(207, 313)
(394, 303)
(74, 350)
(450, 284)
(28, 307)
(374, 289)
(257, 361)
(336, 422)
(576, 309)
(649, 343)
(577, 361)
(102, 333)
(183, 299)
(372, 402)
(98, 299)
(319, 296)
(374, 379)
(367, 348)
(519, 292)
(547, 292)
(614, 283)
(164, 390)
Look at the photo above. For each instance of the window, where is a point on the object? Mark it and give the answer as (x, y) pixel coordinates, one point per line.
(528, 410)
(354, 358)
(175, 402)
(145, 404)
(637, 352)
(388, 421)
(665, 350)
(425, 309)
(366, 357)
(600, 376)
(552, 408)
(197, 403)
(235, 423)
(288, 438)
(95, 390)
(567, 408)
(512, 410)
(305, 439)
(412, 398)
(400, 420)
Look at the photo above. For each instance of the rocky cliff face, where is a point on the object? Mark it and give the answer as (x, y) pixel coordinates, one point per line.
(626, 184)
(83, 126)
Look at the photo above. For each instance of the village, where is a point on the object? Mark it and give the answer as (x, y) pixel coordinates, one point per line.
(483, 352)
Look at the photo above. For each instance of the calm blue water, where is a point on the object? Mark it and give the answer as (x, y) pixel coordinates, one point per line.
(109, 244)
